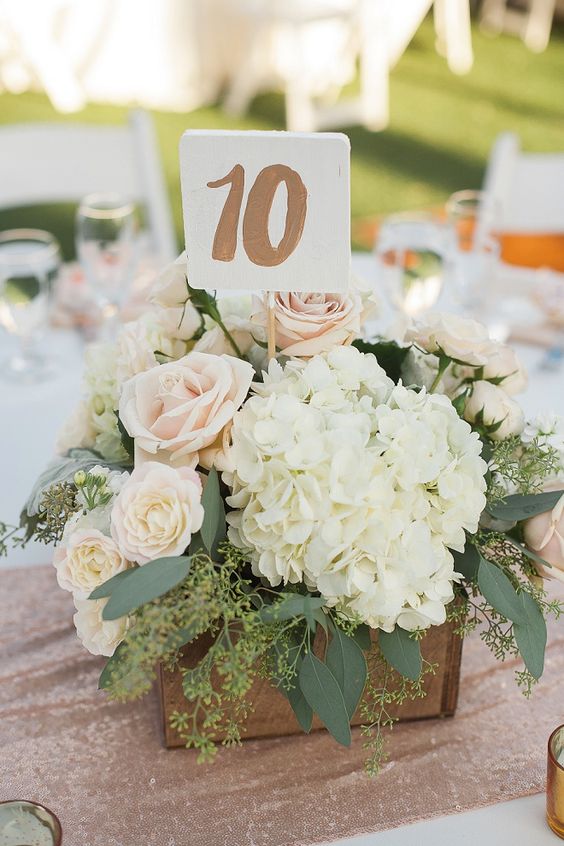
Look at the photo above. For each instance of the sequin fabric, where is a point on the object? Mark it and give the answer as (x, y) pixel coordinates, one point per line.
(102, 769)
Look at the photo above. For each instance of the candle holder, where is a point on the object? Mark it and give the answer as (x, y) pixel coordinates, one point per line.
(555, 782)
(23, 822)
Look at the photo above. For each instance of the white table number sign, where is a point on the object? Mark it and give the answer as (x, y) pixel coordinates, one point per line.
(266, 210)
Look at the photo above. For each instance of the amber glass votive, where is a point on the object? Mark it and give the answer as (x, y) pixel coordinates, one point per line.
(24, 823)
(555, 782)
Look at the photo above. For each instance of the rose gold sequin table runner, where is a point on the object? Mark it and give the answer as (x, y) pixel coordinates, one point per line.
(101, 766)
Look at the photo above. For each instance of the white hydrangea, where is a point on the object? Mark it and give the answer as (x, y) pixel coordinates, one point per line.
(356, 487)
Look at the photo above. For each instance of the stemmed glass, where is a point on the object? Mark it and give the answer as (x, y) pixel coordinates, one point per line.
(105, 244)
(411, 250)
(473, 215)
(29, 261)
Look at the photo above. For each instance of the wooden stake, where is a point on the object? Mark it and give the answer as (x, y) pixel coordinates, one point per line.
(271, 324)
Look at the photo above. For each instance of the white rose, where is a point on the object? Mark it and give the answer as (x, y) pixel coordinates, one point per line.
(171, 287)
(503, 364)
(458, 337)
(137, 343)
(235, 313)
(98, 636)
(157, 511)
(490, 405)
(78, 431)
(180, 408)
(87, 560)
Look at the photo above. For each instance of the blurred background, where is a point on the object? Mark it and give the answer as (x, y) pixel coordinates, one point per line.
(421, 91)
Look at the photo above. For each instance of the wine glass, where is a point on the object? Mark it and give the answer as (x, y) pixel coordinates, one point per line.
(29, 261)
(473, 215)
(105, 244)
(411, 250)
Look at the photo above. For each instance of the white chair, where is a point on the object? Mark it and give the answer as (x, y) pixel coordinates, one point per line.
(61, 162)
(311, 49)
(532, 23)
(527, 188)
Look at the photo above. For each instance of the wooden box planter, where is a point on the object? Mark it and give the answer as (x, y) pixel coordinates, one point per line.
(273, 717)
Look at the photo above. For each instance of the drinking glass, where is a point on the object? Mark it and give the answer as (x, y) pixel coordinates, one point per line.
(473, 215)
(412, 250)
(22, 822)
(105, 244)
(555, 782)
(29, 261)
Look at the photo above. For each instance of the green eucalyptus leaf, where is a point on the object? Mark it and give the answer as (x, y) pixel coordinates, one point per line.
(293, 656)
(390, 356)
(401, 651)
(530, 635)
(467, 562)
(346, 661)
(107, 588)
(145, 584)
(127, 441)
(362, 637)
(213, 530)
(498, 590)
(292, 605)
(519, 507)
(323, 694)
(112, 665)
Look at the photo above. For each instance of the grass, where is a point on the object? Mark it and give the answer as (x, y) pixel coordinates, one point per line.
(441, 130)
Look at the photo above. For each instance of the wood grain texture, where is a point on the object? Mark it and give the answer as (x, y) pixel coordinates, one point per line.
(273, 716)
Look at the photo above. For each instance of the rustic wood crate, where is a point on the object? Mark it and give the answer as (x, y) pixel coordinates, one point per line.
(273, 717)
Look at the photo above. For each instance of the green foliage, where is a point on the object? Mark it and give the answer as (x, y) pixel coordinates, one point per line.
(345, 659)
(213, 531)
(402, 652)
(206, 304)
(467, 562)
(10, 538)
(390, 356)
(291, 605)
(385, 690)
(530, 635)
(521, 507)
(499, 591)
(522, 467)
(134, 588)
(56, 507)
(127, 441)
(324, 695)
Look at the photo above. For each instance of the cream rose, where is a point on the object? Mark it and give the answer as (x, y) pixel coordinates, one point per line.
(157, 512)
(460, 338)
(171, 287)
(78, 431)
(309, 324)
(180, 408)
(98, 636)
(137, 343)
(176, 313)
(87, 559)
(490, 405)
(503, 364)
(544, 534)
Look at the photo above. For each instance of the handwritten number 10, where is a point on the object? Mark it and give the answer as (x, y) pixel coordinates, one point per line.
(256, 239)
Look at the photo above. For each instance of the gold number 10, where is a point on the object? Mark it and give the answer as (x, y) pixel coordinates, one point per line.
(256, 239)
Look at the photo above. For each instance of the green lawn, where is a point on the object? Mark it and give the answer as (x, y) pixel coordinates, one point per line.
(441, 130)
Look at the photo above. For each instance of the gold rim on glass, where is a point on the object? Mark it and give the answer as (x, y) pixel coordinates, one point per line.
(105, 206)
(56, 828)
(50, 246)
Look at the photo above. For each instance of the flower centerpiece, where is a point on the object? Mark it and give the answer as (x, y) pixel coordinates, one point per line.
(281, 512)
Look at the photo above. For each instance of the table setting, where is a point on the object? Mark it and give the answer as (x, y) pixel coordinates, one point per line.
(283, 529)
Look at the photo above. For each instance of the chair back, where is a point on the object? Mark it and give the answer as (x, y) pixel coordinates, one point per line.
(528, 188)
(62, 162)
